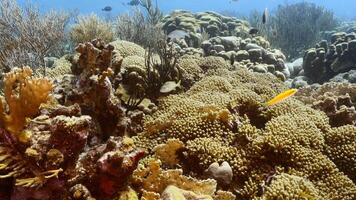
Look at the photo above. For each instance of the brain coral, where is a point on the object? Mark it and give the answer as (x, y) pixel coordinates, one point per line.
(125, 48)
(223, 118)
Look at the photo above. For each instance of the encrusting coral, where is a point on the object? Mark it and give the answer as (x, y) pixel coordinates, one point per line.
(223, 118)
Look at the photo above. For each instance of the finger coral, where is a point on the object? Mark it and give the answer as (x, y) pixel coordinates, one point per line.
(23, 95)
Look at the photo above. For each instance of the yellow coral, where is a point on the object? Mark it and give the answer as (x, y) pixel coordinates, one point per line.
(38, 180)
(23, 95)
(10, 163)
(167, 152)
(286, 186)
(224, 195)
(154, 179)
(128, 194)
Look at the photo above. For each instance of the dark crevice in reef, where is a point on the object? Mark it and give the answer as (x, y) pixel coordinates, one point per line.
(254, 114)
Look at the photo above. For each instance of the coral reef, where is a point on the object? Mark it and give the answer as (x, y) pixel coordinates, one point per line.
(28, 36)
(292, 32)
(47, 143)
(211, 34)
(253, 52)
(211, 23)
(105, 169)
(116, 121)
(337, 100)
(222, 118)
(153, 180)
(125, 48)
(23, 95)
(325, 61)
(89, 28)
(92, 89)
(341, 149)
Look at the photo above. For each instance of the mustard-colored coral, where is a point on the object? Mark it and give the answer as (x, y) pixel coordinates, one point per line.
(285, 186)
(23, 95)
(153, 178)
(38, 180)
(11, 164)
(341, 148)
(223, 118)
(168, 152)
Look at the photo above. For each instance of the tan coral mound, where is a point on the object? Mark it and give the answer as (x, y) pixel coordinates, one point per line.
(341, 148)
(224, 118)
(285, 186)
(125, 48)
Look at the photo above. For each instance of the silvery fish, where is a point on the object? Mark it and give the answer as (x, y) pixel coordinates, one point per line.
(265, 16)
(178, 34)
(169, 86)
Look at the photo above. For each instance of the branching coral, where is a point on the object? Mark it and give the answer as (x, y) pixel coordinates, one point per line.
(10, 162)
(89, 28)
(28, 36)
(23, 95)
(287, 31)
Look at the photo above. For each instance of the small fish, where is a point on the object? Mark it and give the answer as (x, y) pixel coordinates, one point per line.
(133, 3)
(178, 34)
(282, 96)
(253, 31)
(169, 86)
(107, 9)
(265, 16)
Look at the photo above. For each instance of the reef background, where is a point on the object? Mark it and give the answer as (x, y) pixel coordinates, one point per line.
(153, 106)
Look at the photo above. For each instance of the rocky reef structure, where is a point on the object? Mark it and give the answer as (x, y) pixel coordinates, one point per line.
(326, 60)
(210, 23)
(212, 34)
(345, 26)
(337, 100)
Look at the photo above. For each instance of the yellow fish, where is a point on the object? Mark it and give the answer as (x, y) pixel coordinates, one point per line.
(282, 96)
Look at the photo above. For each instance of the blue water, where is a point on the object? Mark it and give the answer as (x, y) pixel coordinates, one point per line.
(342, 8)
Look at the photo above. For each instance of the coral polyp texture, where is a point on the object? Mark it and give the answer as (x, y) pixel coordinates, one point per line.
(87, 135)
(287, 148)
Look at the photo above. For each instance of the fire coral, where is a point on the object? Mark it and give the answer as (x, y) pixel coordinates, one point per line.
(23, 94)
